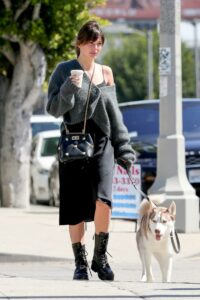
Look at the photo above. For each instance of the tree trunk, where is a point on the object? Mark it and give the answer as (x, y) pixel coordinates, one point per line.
(24, 90)
(4, 84)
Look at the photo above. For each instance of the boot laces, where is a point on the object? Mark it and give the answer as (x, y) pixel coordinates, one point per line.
(83, 260)
(103, 256)
(104, 260)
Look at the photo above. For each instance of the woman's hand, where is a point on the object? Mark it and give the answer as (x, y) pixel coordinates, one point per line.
(125, 163)
(126, 160)
(76, 79)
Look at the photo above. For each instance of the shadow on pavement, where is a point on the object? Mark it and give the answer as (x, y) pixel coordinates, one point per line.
(8, 258)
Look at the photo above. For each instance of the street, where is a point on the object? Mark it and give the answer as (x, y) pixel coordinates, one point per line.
(36, 261)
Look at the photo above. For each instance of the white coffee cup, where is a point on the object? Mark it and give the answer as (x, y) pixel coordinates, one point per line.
(78, 73)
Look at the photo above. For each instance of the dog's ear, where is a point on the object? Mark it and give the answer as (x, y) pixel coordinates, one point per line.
(172, 209)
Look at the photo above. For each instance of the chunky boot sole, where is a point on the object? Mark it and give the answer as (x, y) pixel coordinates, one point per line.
(81, 263)
(80, 277)
(80, 274)
(101, 274)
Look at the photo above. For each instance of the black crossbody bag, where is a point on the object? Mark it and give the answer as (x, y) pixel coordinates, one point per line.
(75, 146)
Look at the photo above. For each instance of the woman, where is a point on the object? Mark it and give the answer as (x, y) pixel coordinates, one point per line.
(86, 186)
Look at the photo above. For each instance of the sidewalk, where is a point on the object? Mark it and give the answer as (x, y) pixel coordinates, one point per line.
(36, 261)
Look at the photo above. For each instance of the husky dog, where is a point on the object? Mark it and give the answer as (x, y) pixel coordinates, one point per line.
(153, 238)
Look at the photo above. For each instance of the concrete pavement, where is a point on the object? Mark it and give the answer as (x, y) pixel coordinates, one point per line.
(36, 261)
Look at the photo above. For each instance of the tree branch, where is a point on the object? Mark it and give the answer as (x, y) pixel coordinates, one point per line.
(38, 64)
(36, 11)
(11, 38)
(21, 9)
(7, 4)
(8, 52)
(32, 98)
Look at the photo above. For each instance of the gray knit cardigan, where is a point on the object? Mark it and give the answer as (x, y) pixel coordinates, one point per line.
(65, 98)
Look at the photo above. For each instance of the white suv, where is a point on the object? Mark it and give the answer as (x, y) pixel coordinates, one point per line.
(43, 123)
(43, 154)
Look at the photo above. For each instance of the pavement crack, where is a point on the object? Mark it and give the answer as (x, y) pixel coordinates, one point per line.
(135, 295)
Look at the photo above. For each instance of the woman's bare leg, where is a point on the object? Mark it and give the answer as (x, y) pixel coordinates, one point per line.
(77, 232)
(102, 217)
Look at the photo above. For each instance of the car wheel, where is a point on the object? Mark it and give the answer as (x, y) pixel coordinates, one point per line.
(51, 201)
(57, 201)
(33, 199)
(51, 195)
(54, 199)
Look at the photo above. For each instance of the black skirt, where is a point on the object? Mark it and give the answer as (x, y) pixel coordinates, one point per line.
(83, 182)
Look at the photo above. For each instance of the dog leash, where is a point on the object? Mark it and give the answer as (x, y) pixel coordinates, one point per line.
(176, 245)
(136, 188)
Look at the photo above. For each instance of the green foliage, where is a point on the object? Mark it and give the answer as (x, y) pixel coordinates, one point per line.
(127, 57)
(54, 28)
(188, 72)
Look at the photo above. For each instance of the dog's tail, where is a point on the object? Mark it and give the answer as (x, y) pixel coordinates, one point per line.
(157, 199)
(144, 213)
(145, 206)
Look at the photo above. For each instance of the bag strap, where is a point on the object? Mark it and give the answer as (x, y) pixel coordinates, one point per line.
(86, 106)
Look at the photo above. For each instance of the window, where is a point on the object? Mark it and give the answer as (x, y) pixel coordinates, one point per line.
(142, 119)
(191, 124)
(44, 126)
(49, 146)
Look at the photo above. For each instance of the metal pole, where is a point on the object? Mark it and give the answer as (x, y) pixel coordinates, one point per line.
(196, 49)
(171, 180)
(150, 64)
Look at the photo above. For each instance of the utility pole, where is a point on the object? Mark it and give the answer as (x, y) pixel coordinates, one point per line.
(150, 64)
(197, 64)
(171, 181)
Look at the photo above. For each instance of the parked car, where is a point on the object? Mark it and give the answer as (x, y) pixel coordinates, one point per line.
(54, 184)
(43, 123)
(142, 121)
(43, 154)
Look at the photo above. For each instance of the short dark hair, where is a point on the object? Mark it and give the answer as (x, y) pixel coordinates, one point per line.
(90, 31)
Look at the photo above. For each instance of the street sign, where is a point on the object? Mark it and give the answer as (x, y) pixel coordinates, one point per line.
(126, 199)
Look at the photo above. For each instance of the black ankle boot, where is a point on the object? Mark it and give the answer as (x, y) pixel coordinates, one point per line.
(81, 263)
(99, 262)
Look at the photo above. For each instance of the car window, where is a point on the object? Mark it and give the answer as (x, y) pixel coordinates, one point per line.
(49, 146)
(191, 118)
(142, 119)
(44, 126)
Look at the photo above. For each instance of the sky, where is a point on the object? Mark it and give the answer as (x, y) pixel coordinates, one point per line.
(187, 33)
